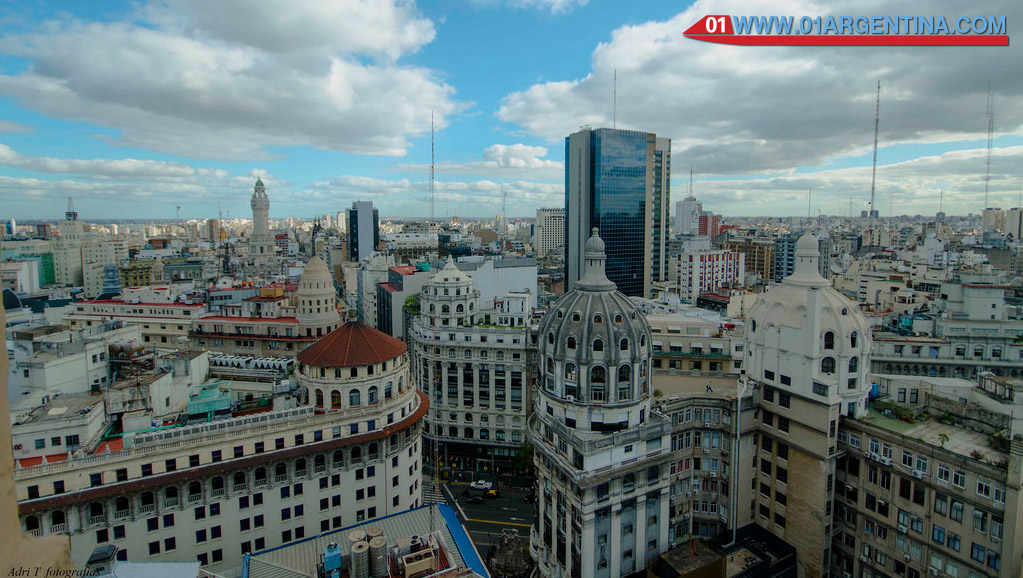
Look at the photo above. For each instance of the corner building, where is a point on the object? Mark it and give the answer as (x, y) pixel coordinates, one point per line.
(807, 355)
(602, 455)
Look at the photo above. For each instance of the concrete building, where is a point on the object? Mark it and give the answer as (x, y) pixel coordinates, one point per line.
(785, 256)
(759, 253)
(706, 271)
(261, 244)
(549, 231)
(609, 183)
(274, 323)
(807, 357)
(161, 317)
(692, 346)
(214, 492)
(660, 224)
(472, 360)
(363, 230)
(602, 454)
(687, 216)
(402, 282)
(992, 220)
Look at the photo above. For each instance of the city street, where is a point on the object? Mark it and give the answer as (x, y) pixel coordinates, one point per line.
(487, 520)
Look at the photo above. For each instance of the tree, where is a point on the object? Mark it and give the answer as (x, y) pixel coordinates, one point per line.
(523, 459)
(412, 305)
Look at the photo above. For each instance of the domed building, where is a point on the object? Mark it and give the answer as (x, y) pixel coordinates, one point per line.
(807, 356)
(602, 456)
(317, 313)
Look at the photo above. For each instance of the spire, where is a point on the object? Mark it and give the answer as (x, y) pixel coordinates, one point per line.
(594, 275)
(807, 272)
(71, 214)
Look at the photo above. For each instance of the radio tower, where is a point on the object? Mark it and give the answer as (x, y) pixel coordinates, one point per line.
(873, 173)
(990, 139)
(431, 166)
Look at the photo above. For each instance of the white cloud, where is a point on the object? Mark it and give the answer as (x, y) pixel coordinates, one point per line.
(500, 161)
(552, 6)
(188, 80)
(745, 109)
(95, 168)
(7, 126)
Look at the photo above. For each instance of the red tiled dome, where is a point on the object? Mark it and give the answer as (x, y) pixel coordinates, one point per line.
(351, 345)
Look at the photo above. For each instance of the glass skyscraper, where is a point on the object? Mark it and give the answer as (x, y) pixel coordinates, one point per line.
(609, 184)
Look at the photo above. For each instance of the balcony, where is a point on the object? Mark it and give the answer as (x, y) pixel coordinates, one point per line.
(260, 482)
(194, 498)
(147, 508)
(122, 514)
(217, 492)
(37, 532)
(170, 503)
(319, 469)
(96, 520)
(58, 529)
(238, 488)
(280, 478)
(301, 473)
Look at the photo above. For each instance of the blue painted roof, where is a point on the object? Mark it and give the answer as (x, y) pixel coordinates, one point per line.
(462, 541)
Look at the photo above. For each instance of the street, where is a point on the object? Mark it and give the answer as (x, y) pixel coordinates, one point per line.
(486, 521)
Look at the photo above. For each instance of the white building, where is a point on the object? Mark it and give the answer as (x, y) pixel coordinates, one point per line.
(261, 244)
(704, 271)
(471, 359)
(602, 455)
(549, 232)
(687, 216)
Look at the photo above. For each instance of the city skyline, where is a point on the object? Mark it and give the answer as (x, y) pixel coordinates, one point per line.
(135, 109)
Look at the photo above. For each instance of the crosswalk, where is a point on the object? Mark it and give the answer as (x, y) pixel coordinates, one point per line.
(432, 493)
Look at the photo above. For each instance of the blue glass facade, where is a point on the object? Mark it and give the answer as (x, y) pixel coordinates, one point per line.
(611, 177)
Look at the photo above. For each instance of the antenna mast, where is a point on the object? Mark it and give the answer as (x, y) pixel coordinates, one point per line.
(691, 182)
(809, 203)
(431, 167)
(990, 139)
(873, 172)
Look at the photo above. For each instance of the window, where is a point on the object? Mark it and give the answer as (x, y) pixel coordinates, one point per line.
(828, 365)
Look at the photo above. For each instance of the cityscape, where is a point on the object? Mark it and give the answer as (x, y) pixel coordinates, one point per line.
(269, 315)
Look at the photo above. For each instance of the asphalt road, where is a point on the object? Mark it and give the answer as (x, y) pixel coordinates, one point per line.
(487, 520)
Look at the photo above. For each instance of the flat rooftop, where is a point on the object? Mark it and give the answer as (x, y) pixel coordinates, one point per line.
(960, 440)
(740, 561)
(691, 556)
(62, 408)
(683, 385)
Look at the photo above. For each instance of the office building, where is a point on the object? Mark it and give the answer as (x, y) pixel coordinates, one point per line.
(687, 216)
(660, 225)
(609, 184)
(601, 453)
(704, 271)
(363, 230)
(549, 232)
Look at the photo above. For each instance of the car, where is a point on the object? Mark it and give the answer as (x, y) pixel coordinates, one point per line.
(481, 485)
(493, 494)
(474, 500)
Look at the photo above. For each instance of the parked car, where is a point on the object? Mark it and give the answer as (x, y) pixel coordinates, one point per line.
(481, 485)
(474, 500)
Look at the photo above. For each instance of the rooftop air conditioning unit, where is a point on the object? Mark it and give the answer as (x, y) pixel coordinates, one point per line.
(886, 461)
(906, 557)
(903, 529)
(707, 424)
(919, 474)
(875, 457)
(417, 562)
(570, 398)
(713, 474)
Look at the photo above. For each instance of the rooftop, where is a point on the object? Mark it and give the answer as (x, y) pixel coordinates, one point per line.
(959, 440)
(62, 408)
(301, 557)
(679, 385)
(351, 345)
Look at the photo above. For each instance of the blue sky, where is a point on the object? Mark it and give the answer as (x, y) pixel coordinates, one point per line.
(135, 108)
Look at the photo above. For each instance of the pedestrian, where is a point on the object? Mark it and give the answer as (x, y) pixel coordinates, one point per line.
(709, 388)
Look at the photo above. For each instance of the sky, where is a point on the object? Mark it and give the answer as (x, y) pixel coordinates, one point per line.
(138, 108)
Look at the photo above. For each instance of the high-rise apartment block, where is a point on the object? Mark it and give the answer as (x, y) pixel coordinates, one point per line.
(549, 232)
(703, 271)
(687, 216)
(610, 183)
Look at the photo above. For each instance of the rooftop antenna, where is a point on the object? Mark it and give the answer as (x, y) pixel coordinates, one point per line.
(809, 203)
(71, 215)
(990, 139)
(431, 167)
(690, 181)
(873, 172)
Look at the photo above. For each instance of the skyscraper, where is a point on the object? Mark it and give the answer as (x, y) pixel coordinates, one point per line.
(660, 225)
(363, 230)
(687, 215)
(550, 230)
(610, 183)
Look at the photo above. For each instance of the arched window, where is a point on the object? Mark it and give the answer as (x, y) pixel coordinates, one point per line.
(401, 384)
(452, 432)
(623, 344)
(624, 373)
(642, 340)
(598, 345)
(319, 398)
(571, 342)
(300, 466)
(239, 480)
(388, 390)
(570, 372)
(445, 309)
(753, 326)
(561, 314)
(550, 338)
(598, 374)
(57, 518)
(575, 317)
(468, 433)
(624, 383)
(373, 394)
(618, 319)
(459, 308)
(854, 364)
(260, 475)
(598, 319)
(853, 339)
(550, 364)
(335, 399)
(121, 505)
(829, 340)
(170, 495)
(828, 365)
(356, 453)
(95, 510)
(338, 459)
(147, 499)
(32, 524)
(354, 399)
(433, 308)
(642, 369)
(470, 306)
